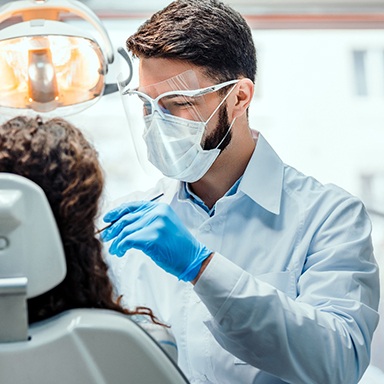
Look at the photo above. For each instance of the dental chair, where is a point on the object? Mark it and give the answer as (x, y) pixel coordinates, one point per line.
(77, 346)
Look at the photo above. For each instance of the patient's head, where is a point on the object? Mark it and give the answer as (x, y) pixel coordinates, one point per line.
(56, 156)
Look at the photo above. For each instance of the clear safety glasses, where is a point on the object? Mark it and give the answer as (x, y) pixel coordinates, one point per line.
(182, 103)
(180, 96)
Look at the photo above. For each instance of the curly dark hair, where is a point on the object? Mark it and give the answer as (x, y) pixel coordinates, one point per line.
(56, 156)
(206, 33)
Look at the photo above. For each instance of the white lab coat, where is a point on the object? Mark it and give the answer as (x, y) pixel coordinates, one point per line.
(291, 294)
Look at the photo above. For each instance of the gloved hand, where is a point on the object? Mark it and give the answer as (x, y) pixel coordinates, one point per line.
(155, 229)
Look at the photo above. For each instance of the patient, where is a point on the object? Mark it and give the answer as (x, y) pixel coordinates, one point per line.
(56, 156)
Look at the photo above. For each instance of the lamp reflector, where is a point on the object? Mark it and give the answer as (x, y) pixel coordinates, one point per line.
(45, 72)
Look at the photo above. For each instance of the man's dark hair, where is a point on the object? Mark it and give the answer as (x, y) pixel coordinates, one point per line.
(206, 33)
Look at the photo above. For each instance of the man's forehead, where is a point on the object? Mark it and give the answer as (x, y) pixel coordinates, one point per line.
(186, 80)
(156, 69)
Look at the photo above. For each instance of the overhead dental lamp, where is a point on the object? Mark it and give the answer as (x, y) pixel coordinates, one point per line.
(48, 65)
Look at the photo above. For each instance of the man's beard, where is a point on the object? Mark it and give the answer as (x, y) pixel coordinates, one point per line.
(222, 127)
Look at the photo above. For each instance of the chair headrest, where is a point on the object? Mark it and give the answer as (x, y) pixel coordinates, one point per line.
(30, 242)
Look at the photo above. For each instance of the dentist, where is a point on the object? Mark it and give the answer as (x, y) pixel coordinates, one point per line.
(264, 274)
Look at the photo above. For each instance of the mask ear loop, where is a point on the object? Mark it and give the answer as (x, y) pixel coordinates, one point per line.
(229, 129)
(217, 108)
(220, 104)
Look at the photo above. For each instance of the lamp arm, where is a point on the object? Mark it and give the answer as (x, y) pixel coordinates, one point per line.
(113, 87)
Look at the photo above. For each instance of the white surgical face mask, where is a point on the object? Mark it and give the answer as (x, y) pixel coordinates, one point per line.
(174, 145)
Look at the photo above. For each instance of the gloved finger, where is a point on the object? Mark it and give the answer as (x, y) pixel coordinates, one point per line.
(115, 213)
(154, 234)
(123, 209)
(140, 209)
(143, 224)
(133, 237)
(115, 229)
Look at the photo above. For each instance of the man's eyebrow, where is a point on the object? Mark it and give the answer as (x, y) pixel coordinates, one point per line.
(169, 97)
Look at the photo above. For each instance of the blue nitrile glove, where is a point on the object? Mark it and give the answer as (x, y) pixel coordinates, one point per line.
(155, 229)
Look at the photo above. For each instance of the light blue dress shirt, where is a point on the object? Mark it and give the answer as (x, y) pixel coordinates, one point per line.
(291, 294)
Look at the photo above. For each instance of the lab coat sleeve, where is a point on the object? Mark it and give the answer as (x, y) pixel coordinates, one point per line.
(321, 336)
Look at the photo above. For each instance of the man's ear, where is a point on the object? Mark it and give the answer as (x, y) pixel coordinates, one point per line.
(243, 94)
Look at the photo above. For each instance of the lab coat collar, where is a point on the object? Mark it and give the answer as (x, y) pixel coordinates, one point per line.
(263, 178)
